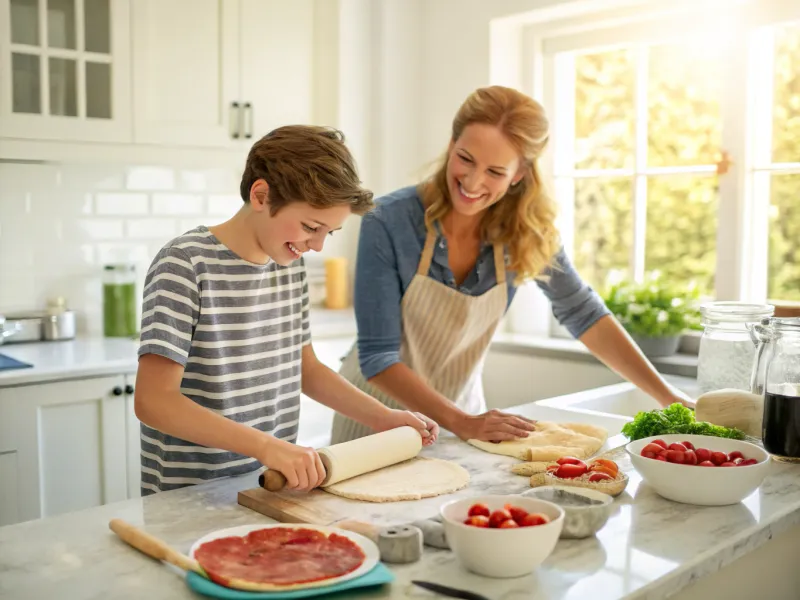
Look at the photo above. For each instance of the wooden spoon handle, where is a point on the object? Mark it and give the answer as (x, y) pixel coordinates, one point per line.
(153, 547)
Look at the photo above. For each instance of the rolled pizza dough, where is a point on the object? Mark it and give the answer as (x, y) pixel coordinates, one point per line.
(550, 441)
(412, 479)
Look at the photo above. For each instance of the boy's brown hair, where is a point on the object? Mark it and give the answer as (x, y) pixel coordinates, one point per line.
(305, 163)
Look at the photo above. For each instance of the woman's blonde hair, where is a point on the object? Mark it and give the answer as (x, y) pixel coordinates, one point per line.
(524, 219)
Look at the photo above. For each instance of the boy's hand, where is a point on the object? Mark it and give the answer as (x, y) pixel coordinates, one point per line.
(301, 466)
(427, 428)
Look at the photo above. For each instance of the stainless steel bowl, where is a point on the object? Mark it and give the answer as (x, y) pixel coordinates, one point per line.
(28, 326)
(59, 327)
(7, 330)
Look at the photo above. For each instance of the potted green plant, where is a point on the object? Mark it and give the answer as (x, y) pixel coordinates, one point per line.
(655, 313)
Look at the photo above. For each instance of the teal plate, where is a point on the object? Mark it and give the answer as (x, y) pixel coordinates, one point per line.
(377, 576)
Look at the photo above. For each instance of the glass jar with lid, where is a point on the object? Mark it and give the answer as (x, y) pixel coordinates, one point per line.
(120, 303)
(727, 351)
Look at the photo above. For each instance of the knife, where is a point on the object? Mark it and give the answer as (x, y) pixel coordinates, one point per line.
(449, 591)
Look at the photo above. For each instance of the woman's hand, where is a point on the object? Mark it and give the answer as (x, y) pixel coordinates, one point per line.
(676, 395)
(301, 466)
(494, 426)
(426, 427)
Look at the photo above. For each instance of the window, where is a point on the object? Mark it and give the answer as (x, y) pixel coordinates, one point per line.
(677, 148)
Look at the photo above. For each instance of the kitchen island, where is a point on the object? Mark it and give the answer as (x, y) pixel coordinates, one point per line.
(650, 547)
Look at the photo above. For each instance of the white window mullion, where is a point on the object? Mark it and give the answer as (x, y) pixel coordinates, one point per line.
(80, 62)
(756, 186)
(639, 207)
(563, 139)
(44, 64)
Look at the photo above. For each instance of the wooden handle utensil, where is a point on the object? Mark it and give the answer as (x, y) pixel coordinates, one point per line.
(153, 547)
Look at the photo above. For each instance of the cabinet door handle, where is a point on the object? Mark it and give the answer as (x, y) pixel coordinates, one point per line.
(117, 391)
(129, 389)
(235, 124)
(248, 131)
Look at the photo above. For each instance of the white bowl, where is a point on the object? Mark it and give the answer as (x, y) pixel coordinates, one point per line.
(705, 486)
(501, 552)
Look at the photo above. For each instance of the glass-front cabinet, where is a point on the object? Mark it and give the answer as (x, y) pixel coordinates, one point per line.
(65, 64)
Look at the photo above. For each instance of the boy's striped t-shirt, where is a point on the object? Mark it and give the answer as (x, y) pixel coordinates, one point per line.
(238, 328)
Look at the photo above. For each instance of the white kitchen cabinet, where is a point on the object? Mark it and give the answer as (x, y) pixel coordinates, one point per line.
(71, 446)
(65, 70)
(220, 73)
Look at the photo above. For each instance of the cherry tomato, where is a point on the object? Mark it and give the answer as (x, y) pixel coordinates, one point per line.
(718, 458)
(604, 462)
(654, 448)
(706, 463)
(661, 443)
(734, 455)
(675, 456)
(648, 454)
(703, 454)
(570, 460)
(662, 457)
(728, 464)
(737, 461)
(478, 521)
(508, 524)
(498, 517)
(677, 447)
(570, 471)
(534, 519)
(689, 457)
(553, 468)
(747, 462)
(516, 512)
(600, 477)
(688, 445)
(478, 509)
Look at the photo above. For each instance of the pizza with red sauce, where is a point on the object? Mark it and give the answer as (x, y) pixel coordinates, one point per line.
(279, 556)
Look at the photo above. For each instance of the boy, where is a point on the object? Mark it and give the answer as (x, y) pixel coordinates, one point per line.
(225, 345)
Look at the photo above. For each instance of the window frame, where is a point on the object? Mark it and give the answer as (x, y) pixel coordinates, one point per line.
(746, 108)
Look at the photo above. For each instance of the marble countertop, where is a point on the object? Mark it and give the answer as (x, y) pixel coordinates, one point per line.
(650, 548)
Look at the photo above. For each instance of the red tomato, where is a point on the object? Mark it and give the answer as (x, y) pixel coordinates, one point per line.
(677, 447)
(534, 519)
(647, 454)
(689, 445)
(662, 457)
(734, 455)
(651, 447)
(570, 460)
(728, 464)
(552, 468)
(478, 509)
(477, 521)
(703, 454)
(747, 462)
(661, 443)
(737, 461)
(718, 458)
(675, 456)
(602, 469)
(498, 517)
(689, 457)
(509, 524)
(600, 477)
(570, 471)
(516, 512)
(706, 463)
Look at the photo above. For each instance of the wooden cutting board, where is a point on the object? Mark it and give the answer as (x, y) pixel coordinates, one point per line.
(489, 474)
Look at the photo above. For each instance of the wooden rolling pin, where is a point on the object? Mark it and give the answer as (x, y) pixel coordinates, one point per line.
(356, 457)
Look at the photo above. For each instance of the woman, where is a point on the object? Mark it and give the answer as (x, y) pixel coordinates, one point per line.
(439, 263)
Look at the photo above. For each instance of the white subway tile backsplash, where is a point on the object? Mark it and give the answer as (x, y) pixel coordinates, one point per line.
(60, 224)
(148, 229)
(96, 229)
(225, 206)
(121, 204)
(177, 204)
(150, 179)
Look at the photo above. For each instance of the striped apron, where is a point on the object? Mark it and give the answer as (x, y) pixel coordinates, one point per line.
(446, 335)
